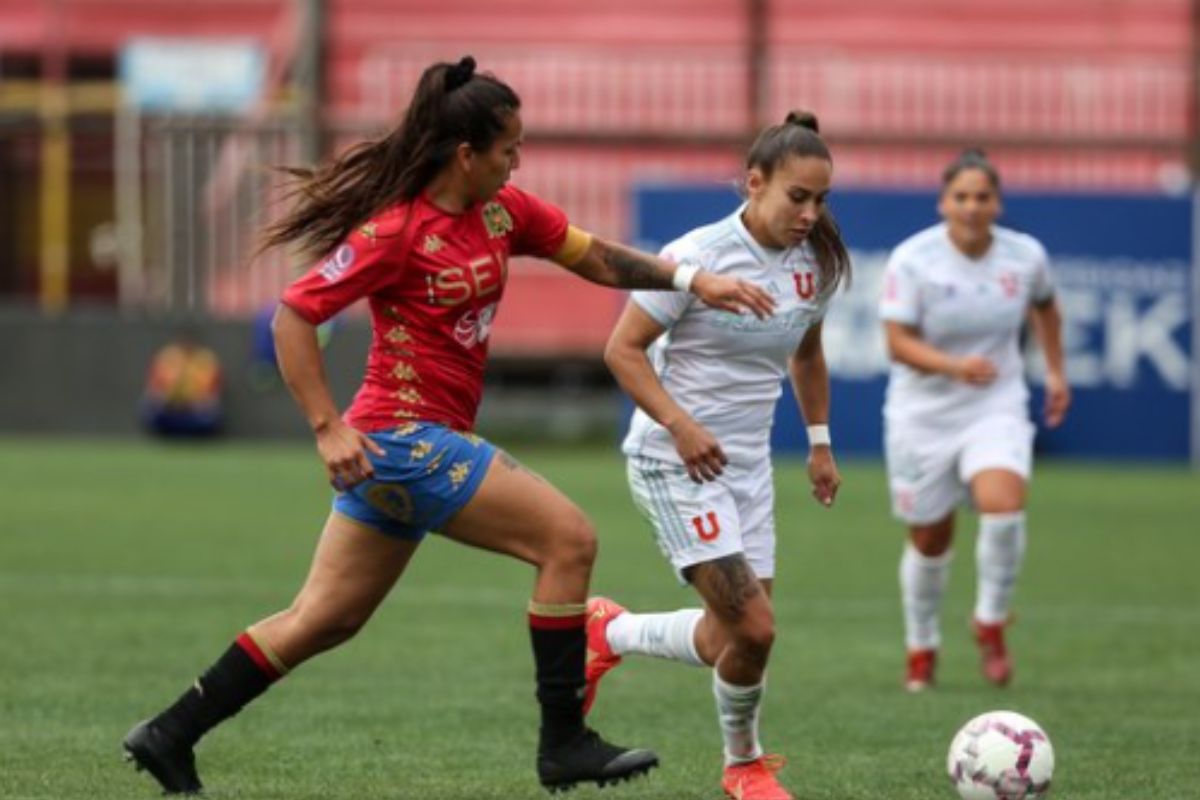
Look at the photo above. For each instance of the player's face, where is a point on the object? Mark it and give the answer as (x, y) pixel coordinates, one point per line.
(970, 204)
(490, 169)
(785, 207)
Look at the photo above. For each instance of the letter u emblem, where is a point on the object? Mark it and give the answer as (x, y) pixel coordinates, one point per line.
(805, 284)
(712, 531)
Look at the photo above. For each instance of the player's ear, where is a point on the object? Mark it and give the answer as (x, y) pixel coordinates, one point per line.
(756, 182)
(464, 155)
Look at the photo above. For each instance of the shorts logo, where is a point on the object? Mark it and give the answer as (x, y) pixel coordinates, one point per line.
(336, 265)
(712, 531)
(805, 285)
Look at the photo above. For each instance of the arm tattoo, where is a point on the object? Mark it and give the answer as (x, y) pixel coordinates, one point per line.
(727, 584)
(629, 269)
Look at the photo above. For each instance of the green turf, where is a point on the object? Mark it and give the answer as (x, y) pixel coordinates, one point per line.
(127, 567)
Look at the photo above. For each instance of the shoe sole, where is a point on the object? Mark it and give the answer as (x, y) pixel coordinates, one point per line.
(635, 772)
(143, 760)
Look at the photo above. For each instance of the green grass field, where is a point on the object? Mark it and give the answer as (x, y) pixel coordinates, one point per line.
(127, 567)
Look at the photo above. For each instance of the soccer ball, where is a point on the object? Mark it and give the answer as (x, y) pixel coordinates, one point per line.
(1001, 755)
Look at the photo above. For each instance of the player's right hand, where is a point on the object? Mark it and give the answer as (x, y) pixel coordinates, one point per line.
(343, 451)
(975, 370)
(701, 452)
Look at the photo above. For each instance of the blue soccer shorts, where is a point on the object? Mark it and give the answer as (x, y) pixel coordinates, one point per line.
(429, 472)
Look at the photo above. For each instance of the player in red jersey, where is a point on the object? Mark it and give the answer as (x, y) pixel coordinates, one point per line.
(422, 223)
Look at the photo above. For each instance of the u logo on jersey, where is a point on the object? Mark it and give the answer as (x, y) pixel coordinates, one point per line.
(710, 531)
(806, 284)
(1009, 283)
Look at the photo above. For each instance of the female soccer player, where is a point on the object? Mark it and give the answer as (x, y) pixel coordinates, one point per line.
(706, 384)
(422, 223)
(956, 422)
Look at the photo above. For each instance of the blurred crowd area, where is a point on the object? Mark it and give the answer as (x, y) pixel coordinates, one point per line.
(115, 196)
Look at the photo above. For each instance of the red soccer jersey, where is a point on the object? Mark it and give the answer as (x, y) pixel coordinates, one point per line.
(434, 280)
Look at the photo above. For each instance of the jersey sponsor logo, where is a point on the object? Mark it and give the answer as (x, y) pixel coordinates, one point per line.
(474, 328)
(454, 286)
(336, 265)
(806, 284)
(710, 531)
(496, 219)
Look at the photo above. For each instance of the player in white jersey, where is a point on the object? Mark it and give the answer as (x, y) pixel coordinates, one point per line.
(956, 297)
(698, 449)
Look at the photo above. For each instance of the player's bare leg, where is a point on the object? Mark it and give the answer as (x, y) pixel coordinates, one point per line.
(352, 570)
(517, 513)
(999, 495)
(924, 569)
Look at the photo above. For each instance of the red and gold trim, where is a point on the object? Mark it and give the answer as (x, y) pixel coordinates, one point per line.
(262, 655)
(557, 616)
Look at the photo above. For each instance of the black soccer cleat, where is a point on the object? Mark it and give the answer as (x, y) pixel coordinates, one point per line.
(172, 765)
(588, 758)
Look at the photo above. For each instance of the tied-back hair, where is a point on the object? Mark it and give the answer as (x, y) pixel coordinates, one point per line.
(451, 104)
(799, 135)
(971, 158)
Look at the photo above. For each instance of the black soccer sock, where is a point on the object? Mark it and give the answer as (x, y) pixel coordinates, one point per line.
(559, 636)
(241, 674)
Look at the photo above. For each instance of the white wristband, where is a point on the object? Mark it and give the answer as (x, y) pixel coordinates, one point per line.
(819, 435)
(683, 277)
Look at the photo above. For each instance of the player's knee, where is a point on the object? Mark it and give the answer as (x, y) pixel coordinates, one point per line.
(754, 633)
(573, 544)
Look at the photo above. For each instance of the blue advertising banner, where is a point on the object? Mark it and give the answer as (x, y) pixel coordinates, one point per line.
(1123, 268)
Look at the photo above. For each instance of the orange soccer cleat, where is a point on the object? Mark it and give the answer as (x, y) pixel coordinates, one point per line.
(921, 666)
(755, 780)
(600, 656)
(993, 655)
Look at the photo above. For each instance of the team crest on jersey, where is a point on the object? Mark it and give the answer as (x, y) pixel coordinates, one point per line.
(496, 219)
(433, 243)
(806, 284)
(1009, 283)
(338, 262)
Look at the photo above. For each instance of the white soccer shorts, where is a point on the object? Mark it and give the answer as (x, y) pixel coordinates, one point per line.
(698, 522)
(929, 474)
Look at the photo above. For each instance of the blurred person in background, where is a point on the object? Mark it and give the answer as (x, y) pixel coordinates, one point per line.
(422, 222)
(956, 420)
(706, 383)
(182, 395)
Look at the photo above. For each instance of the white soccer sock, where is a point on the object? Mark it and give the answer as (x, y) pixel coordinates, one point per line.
(998, 555)
(737, 711)
(922, 582)
(670, 635)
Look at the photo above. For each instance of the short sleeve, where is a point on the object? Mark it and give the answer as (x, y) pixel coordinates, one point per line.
(1042, 286)
(539, 228)
(901, 299)
(666, 308)
(360, 266)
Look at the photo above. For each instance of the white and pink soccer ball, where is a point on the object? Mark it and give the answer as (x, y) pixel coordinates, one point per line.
(1001, 755)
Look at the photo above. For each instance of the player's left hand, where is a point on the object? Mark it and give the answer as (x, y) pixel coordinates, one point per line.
(732, 294)
(823, 474)
(1058, 399)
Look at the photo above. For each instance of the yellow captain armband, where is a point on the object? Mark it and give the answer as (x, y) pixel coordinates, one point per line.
(573, 247)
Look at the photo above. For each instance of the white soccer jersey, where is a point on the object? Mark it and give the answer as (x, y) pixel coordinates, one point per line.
(962, 306)
(726, 369)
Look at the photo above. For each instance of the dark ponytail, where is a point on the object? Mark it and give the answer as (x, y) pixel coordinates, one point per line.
(799, 136)
(452, 104)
